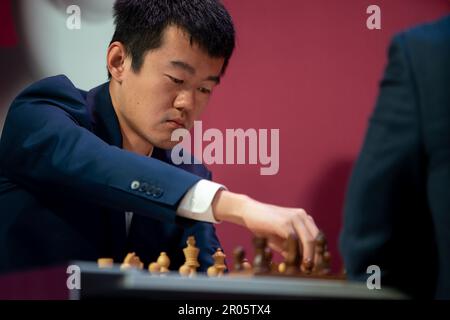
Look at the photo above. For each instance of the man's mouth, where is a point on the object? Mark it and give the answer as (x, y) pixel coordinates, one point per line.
(176, 123)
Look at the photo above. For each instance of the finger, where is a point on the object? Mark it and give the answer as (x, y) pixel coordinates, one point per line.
(309, 222)
(284, 230)
(311, 225)
(307, 240)
(278, 249)
(276, 243)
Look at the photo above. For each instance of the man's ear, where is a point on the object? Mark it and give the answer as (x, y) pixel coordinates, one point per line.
(116, 60)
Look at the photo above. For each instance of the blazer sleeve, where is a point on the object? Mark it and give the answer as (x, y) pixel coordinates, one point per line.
(46, 146)
(385, 207)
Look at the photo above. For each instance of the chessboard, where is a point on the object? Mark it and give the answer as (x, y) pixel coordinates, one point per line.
(293, 266)
(263, 279)
(114, 282)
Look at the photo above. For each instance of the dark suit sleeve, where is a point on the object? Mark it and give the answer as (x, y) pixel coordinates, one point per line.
(385, 207)
(46, 147)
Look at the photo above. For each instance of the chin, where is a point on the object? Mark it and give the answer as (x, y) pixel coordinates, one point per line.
(166, 145)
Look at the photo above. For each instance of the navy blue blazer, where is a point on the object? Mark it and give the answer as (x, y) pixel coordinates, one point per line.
(397, 210)
(65, 184)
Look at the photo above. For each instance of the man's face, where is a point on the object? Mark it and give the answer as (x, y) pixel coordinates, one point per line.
(170, 91)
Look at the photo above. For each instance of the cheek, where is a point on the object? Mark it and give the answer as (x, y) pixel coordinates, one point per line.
(202, 102)
(147, 105)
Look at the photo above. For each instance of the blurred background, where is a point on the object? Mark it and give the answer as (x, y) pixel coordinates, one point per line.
(308, 68)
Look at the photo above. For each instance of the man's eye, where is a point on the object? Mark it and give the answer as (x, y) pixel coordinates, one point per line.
(204, 90)
(175, 80)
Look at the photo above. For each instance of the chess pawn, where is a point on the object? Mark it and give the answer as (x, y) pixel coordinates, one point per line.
(272, 265)
(282, 267)
(293, 257)
(104, 263)
(326, 262)
(164, 262)
(260, 263)
(131, 261)
(219, 264)
(246, 266)
(185, 270)
(212, 272)
(307, 266)
(322, 256)
(238, 259)
(154, 268)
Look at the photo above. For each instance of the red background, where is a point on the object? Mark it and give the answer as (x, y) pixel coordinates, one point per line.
(310, 69)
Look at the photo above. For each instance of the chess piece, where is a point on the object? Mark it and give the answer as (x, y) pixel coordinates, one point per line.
(293, 257)
(326, 262)
(131, 261)
(185, 270)
(246, 266)
(161, 265)
(164, 262)
(238, 259)
(154, 268)
(273, 267)
(322, 256)
(219, 266)
(307, 266)
(260, 262)
(191, 255)
(212, 271)
(104, 263)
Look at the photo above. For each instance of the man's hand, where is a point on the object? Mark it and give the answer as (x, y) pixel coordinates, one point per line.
(273, 222)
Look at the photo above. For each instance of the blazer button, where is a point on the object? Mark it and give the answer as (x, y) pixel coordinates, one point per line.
(144, 187)
(150, 190)
(158, 192)
(135, 185)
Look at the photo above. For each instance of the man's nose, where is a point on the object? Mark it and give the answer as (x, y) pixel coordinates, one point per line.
(185, 101)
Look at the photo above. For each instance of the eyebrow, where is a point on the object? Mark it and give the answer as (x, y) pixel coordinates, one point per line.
(190, 69)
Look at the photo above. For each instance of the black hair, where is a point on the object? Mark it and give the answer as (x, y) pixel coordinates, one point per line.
(140, 25)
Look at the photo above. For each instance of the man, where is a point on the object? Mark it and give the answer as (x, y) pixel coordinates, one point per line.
(85, 175)
(397, 212)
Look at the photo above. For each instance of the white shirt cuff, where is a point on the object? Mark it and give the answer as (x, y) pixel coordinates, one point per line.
(197, 202)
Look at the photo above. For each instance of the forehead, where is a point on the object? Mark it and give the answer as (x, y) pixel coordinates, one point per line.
(176, 45)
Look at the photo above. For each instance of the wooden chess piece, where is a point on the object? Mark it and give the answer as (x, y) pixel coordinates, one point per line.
(132, 261)
(293, 257)
(260, 263)
(326, 262)
(307, 266)
(164, 262)
(282, 267)
(185, 270)
(191, 255)
(161, 265)
(238, 259)
(219, 266)
(322, 256)
(273, 267)
(154, 268)
(246, 266)
(240, 263)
